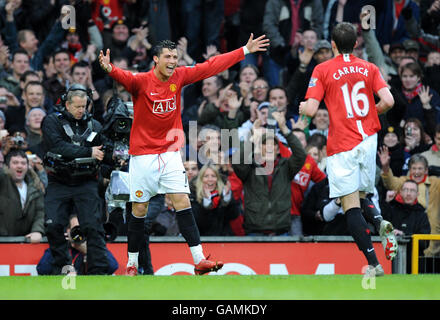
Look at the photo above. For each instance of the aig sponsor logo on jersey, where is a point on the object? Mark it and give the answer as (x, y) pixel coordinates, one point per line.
(164, 106)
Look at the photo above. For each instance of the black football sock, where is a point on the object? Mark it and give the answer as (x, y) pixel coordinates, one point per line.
(136, 233)
(370, 213)
(188, 227)
(361, 234)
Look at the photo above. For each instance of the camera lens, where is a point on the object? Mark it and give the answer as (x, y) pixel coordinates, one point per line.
(77, 235)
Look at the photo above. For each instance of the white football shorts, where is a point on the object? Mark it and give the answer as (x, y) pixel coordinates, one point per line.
(151, 174)
(353, 170)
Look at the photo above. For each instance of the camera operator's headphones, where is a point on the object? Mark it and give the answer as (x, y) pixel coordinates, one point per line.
(79, 87)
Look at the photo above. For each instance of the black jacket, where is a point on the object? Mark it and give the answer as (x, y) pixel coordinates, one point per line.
(57, 141)
(411, 219)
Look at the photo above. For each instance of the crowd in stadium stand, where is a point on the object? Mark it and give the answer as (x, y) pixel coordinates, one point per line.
(40, 59)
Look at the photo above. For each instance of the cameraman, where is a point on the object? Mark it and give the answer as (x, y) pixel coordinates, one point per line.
(70, 134)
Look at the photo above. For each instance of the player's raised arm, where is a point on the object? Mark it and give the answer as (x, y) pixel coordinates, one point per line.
(259, 44)
(220, 63)
(124, 77)
(104, 61)
(386, 101)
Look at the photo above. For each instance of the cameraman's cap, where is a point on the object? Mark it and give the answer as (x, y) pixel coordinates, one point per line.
(322, 44)
(411, 45)
(263, 105)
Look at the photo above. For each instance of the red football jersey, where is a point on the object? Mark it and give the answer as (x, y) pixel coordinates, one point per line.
(157, 124)
(347, 85)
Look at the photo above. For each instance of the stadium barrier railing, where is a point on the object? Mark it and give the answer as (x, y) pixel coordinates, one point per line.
(415, 249)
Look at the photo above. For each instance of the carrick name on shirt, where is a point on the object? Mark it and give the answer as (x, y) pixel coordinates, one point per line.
(348, 70)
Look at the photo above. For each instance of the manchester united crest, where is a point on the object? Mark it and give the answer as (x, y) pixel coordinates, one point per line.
(173, 87)
(139, 193)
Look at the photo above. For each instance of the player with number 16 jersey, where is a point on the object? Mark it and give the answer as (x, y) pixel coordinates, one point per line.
(349, 84)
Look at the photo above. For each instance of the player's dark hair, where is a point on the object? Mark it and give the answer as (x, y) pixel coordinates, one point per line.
(344, 35)
(164, 44)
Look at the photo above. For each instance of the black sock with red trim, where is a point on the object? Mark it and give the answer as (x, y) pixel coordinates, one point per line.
(361, 234)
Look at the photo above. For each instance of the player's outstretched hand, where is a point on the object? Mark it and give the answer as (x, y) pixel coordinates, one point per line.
(258, 44)
(104, 60)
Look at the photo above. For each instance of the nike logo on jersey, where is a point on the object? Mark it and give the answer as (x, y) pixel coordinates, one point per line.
(370, 250)
(154, 93)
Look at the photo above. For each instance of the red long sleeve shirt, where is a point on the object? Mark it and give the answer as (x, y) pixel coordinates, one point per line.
(157, 124)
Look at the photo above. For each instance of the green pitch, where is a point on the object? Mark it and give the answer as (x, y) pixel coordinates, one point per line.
(227, 287)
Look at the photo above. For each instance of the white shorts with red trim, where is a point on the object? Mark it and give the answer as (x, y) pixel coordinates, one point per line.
(151, 174)
(353, 170)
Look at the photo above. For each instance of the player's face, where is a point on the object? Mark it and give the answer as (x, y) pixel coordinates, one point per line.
(418, 171)
(409, 79)
(409, 192)
(209, 180)
(166, 62)
(77, 107)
